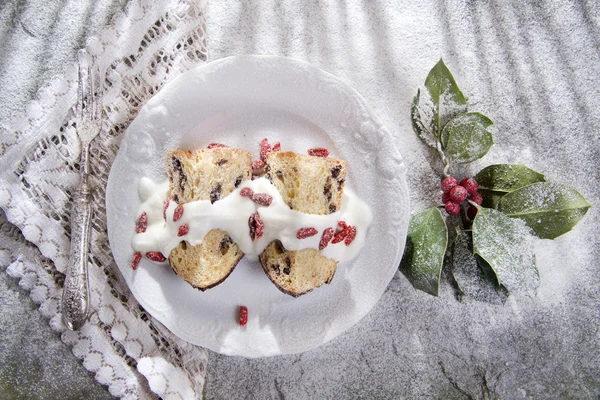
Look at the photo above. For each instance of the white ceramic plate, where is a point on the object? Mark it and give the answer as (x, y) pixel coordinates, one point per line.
(239, 101)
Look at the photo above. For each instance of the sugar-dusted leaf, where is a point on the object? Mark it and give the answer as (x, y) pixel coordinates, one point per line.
(425, 249)
(507, 246)
(549, 209)
(474, 276)
(448, 100)
(466, 137)
(497, 180)
(421, 115)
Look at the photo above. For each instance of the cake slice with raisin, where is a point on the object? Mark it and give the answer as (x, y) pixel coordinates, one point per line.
(208, 174)
(313, 185)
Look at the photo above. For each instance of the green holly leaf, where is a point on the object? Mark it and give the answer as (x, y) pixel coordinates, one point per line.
(506, 245)
(549, 209)
(466, 138)
(425, 249)
(497, 180)
(448, 101)
(474, 276)
(423, 130)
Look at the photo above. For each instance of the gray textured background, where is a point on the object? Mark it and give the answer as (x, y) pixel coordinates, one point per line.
(532, 66)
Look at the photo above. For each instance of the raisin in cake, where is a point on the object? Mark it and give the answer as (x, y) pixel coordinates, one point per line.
(312, 185)
(208, 174)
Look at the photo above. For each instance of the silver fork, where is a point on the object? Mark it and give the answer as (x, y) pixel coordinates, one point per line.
(75, 301)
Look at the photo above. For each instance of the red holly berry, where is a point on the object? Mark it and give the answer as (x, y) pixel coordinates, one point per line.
(258, 164)
(142, 223)
(470, 184)
(326, 238)
(216, 145)
(452, 208)
(303, 233)
(262, 199)
(183, 230)
(243, 315)
(318, 152)
(350, 236)
(178, 212)
(472, 212)
(448, 184)
(445, 197)
(476, 198)
(246, 192)
(458, 194)
(137, 257)
(156, 256)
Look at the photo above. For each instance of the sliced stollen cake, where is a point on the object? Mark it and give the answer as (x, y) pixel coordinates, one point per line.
(208, 174)
(312, 185)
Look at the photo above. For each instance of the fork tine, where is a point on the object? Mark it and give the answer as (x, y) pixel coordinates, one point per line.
(80, 89)
(98, 93)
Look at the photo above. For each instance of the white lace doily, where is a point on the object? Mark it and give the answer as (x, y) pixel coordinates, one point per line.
(141, 50)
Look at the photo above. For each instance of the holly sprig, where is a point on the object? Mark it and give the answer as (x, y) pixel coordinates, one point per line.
(489, 221)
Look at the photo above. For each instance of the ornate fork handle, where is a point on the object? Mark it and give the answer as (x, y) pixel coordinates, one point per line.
(76, 290)
(75, 301)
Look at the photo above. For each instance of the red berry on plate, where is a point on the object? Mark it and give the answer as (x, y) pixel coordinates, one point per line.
(246, 192)
(303, 233)
(156, 256)
(476, 198)
(458, 194)
(448, 184)
(262, 199)
(256, 225)
(243, 315)
(326, 238)
(276, 147)
(137, 257)
(341, 235)
(470, 184)
(452, 208)
(183, 230)
(318, 152)
(142, 223)
(265, 148)
(165, 206)
(178, 212)
(351, 235)
(258, 164)
(472, 212)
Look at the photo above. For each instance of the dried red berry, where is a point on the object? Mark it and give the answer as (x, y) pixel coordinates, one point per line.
(276, 147)
(246, 192)
(258, 164)
(257, 227)
(265, 148)
(476, 198)
(262, 199)
(341, 235)
(326, 238)
(452, 208)
(243, 315)
(165, 206)
(341, 226)
(183, 230)
(156, 256)
(350, 236)
(318, 152)
(216, 145)
(470, 184)
(448, 184)
(178, 212)
(303, 233)
(137, 257)
(142, 223)
(458, 194)
(472, 212)
(445, 197)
